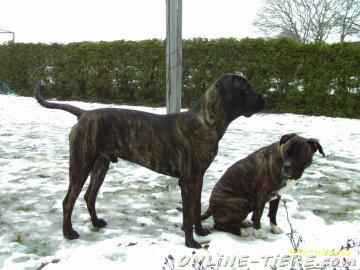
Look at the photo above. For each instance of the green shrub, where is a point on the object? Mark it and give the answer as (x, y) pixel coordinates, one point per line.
(299, 78)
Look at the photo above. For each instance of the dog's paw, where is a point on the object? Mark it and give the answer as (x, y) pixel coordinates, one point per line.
(71, 234)
(245, 232)
(260, 234)
(202, 232)
(275, 229)
(192, 244)
(99, 223)
(246, 224)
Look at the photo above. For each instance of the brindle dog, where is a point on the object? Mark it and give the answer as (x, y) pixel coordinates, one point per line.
(180, 145)
(260, 177)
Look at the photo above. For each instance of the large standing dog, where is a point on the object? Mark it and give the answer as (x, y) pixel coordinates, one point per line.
(181, 145)
(260, 177)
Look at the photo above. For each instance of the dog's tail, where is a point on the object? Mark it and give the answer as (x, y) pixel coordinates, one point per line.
(206, 215)
(66, 107)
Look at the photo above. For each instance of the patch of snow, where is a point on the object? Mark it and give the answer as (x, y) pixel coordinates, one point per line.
(143, 209)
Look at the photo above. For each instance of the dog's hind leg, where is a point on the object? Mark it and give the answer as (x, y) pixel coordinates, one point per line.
(97, 177)
(80, 167)
(228, 227)
(229, 212)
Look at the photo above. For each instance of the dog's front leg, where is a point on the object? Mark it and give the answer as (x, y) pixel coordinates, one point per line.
(189, 200)
(274, 205)
(256, 217)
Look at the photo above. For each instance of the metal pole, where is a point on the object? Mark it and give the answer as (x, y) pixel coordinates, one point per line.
(173, 55)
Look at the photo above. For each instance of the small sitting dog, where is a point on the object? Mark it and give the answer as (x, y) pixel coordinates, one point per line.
(260, 177)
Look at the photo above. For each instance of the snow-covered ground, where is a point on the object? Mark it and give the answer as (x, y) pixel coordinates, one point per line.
(142, 207)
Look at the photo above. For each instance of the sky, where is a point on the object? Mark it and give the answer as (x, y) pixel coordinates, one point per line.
(64, 21)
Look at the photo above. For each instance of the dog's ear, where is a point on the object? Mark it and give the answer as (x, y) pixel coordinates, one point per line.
(239, 82)
(246, 75)
(224, 85)
(286, 137)
(316, 146)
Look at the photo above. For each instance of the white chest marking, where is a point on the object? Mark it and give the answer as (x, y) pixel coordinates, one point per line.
(288, 185)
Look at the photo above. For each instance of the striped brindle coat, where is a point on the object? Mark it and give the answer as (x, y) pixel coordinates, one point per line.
(261, 177)
(180, 145)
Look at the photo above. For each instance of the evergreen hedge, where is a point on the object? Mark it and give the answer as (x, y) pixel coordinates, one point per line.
(299, 78)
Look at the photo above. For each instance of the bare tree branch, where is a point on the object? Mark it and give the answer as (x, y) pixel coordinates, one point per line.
(323, 20)
(348, 18)
(309, 20)
(277, 17)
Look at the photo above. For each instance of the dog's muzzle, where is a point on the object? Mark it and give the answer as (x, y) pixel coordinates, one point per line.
(259, 103)
(289, 172)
